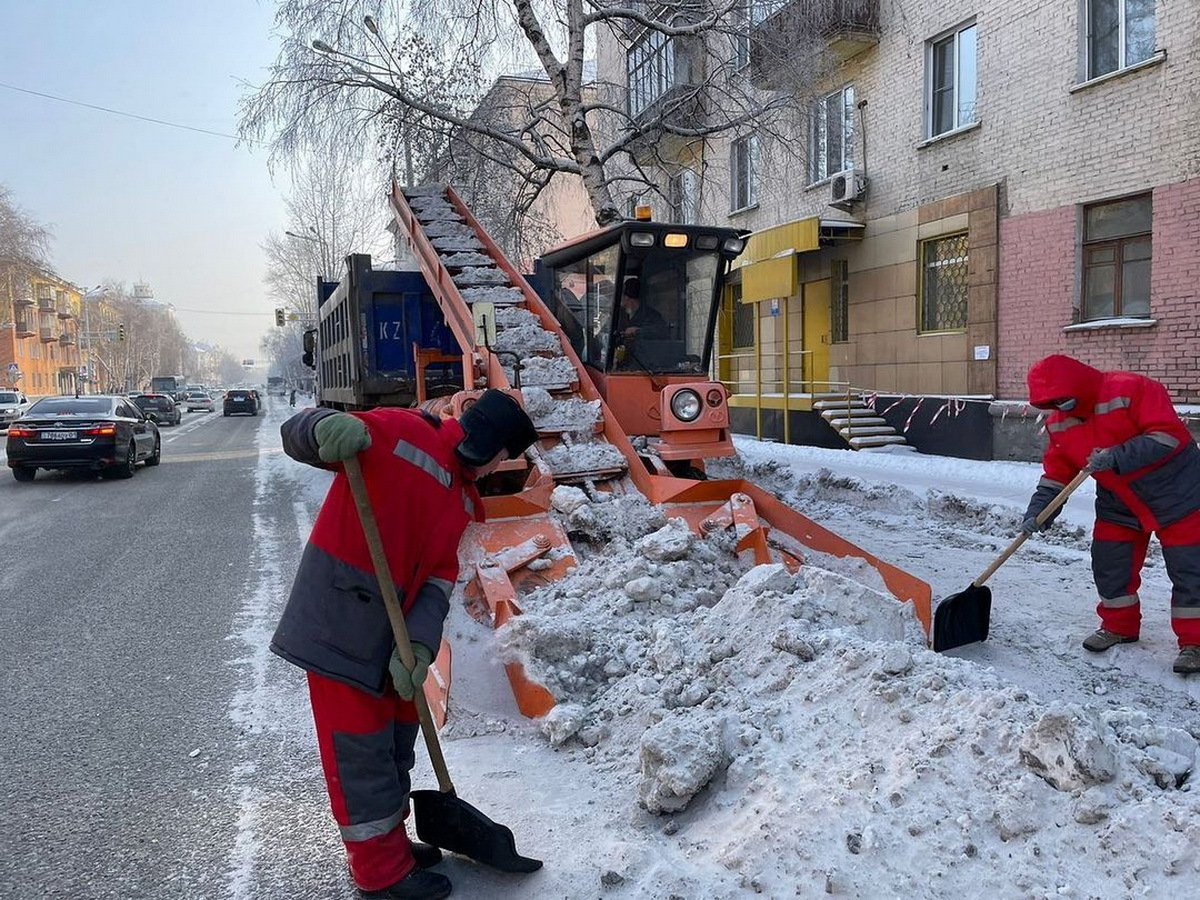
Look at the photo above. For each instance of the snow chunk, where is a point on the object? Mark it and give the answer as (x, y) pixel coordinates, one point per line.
(670, 543)
(543, 371)
(444, 228)
(515, 316)
(679, 756)
(567, 459)
(501, 296)
(549, 414)
(473, 276)
(456, 243)
(567, 499)
(460, 260)
(526, 340)
(1068, 752)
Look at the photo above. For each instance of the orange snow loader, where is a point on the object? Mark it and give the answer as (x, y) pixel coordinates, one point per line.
(612, 362)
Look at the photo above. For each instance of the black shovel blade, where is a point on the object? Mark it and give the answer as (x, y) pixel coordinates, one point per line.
(445, 821)
(962, 618)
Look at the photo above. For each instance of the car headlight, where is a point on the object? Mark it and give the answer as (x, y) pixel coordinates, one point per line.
(686, 406)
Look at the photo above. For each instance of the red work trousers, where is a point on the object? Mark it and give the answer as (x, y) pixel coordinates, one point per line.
(1118, 554)
(366, 746)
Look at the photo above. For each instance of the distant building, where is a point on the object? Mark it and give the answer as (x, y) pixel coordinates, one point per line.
(39, 336)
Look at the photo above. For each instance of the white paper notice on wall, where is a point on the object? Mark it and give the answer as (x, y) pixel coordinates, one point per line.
(775, 307)
(983, 351)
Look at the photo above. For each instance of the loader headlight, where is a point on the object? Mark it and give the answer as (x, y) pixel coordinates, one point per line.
(686, 406)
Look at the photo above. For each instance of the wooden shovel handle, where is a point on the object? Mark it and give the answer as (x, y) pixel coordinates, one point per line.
(383, 573)
(1046, 513)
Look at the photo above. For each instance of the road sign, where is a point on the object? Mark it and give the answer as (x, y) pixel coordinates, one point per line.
(13, 368)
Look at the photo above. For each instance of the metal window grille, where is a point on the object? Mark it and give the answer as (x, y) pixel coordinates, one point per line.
(944, 283)
(840, 302)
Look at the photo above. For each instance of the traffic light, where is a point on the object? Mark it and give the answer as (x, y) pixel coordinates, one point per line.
(280, 317)
(121, 331)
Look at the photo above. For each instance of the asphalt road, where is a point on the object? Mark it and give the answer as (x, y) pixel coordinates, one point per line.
(132, 667)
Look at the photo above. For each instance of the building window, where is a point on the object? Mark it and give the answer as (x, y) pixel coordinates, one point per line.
(944, 284)
(1116, 259)
(650, 67)
(744, 165)
(683, 194)
(839, 279)
(831, 135)
(743, 320)
(740, 36)
(1120, 33)
(951, 66)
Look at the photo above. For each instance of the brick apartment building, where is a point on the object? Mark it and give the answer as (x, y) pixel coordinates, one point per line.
(39, 336)
(1013, 179)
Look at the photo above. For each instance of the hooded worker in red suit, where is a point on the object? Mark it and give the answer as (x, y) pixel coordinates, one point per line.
(1123, 427)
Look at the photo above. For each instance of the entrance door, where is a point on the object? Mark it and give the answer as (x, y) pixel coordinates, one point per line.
(816, 335)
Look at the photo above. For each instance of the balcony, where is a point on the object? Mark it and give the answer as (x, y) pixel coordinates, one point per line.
(46, 304)
(47, 335)
(666, 90)
(22, 302)
(786, 31)
(64, 310)
(23, 328)
(67, 339)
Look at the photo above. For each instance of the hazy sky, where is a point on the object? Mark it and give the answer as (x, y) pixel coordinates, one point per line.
(132, 200)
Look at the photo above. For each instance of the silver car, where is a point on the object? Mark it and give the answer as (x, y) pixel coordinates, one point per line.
(12, 406)
(199, 400)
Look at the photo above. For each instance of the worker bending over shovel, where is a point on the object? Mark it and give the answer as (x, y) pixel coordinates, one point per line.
(1123, 427)
(420, 473)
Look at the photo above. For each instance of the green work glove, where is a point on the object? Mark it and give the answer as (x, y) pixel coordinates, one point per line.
(409, 682)
(341, 436)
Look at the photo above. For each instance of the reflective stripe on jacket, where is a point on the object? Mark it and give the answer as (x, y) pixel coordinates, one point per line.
(335, 622)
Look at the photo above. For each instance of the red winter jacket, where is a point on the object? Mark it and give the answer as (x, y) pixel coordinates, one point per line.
(335, 622)
(1156, 479)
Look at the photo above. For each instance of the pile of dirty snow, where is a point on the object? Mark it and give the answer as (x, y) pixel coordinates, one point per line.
(793, 729)
(572, 414)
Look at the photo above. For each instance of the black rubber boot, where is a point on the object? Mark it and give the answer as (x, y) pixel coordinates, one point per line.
(426, 855)
(419, 885)
(1188, 661)
(1100, 640)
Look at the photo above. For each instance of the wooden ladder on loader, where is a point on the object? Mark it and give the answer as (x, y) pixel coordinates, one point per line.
(464, 267)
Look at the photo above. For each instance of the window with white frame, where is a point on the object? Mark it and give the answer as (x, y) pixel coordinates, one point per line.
(1120, 33)
(650, 67)
(831, 135)
(683, 194)
(952, 71)
(744, 173)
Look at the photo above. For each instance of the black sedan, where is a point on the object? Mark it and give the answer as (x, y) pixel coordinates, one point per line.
(105, 434)
(239, 402)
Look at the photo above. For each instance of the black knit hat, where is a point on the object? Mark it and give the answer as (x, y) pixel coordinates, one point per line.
(495, 423)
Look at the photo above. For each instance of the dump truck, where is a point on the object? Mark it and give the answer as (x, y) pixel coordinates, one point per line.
(611, 358)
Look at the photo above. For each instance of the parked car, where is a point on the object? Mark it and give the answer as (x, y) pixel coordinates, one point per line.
(13, 405)
(198, 400)
(106, 434)
(239, 402)
(166, 411)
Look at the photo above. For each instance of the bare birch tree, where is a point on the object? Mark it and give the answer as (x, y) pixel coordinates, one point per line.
(345, 62)
(24, 252)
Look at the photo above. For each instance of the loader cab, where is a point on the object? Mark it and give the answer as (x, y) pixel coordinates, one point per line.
(642, 297)
(638, 302)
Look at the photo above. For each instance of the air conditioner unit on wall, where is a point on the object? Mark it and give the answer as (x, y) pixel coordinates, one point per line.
(847, 188)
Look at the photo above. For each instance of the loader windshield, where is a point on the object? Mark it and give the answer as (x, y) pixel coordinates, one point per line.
(641, 296)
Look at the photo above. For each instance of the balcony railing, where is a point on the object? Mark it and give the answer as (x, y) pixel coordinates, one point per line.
(65, 311)
(67, 339)
(23, 302)
(23, 328)
(47, 335)
(781, 29)
(46, 304)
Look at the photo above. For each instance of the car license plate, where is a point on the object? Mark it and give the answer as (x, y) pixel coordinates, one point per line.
(60, 435)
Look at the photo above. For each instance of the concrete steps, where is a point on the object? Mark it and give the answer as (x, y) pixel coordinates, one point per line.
(860, 426)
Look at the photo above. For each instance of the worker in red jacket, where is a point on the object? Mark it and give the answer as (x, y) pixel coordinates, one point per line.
(420, 473)
(1123, 427)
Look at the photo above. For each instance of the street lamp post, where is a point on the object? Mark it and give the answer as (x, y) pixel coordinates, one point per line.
(315, 237)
